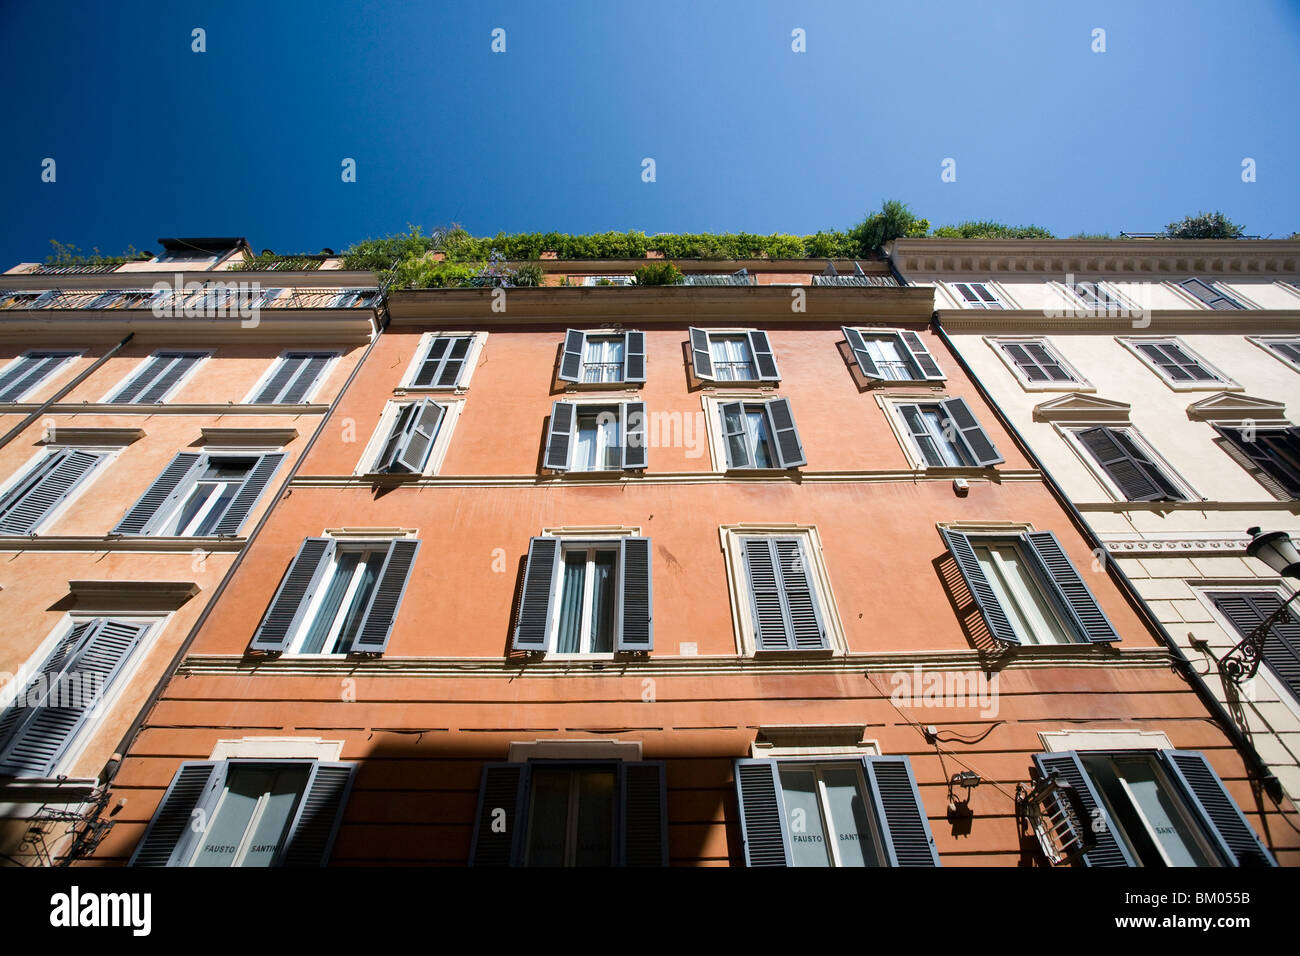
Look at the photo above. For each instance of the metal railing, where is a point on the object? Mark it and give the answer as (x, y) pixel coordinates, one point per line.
(215, 296)
(860, 281)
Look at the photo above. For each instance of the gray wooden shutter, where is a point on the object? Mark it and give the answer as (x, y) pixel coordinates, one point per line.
(178, 366)
(634, 356)
(859, 347)
(800, 598)
(1131, 476)
(320, 811)
(312, 367)
(1236, 839)
(701, 357)
(396, 439)
(292, 596)
(1271, 469)
(284, 370)
(28, 372)
(255, 482)
(764, 831)
(904, 827)
(977, 441)
(165, 489)
(737, 451)
(559, 436)
(770, 630)
(1109, 851)
(377, 625)
(785, 436)
(17, 715)
(643, 840)
(414, 450)
(633, 429)
(534, 623)
(30, 502)
(499, 819)
(764, 359)
(129, 393)
(985, 599)
(636, 596)
(1247, 611)
(571, 360)
(921, 356)
(1091, 622)
(40, 740)
(169, 839)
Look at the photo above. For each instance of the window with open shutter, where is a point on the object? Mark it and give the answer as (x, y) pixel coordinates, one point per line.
(36, 495)
(28, 371)
(1247, 610)
(1108, 850)
(892, 355)
(636, 598)
(571, 813)
(1271, 455)
(829, 811)
(1128, 465)
(701, 355)
(39, 728)
(411, 439)
(786, 613)
(158, 377)
(760, 435)
(199, 495)
(248, 813)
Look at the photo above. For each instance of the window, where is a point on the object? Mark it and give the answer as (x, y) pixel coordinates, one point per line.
(760, 435)
(1035, 362)
(1210, 294)
(1097, 297)
(1026, 590)
(410, 442)
(36, 495)
(977, 295)
(1246, 611)
(597, 357)
(859, 811)
(573, 813)
(1174, 361)
(596, 437)
(158, 378)
(608, 280)
(585, 596)
(785, 611)
(1156, 808)
(946, 434)
(1271, 455)
(892, 356)
(40, 725)
(29, 370)
(248, 813)
(293, 378)
(1287, 349)
(338, 597)
(1129, 464)
(732, 356)
(444, 362)
(199, 495)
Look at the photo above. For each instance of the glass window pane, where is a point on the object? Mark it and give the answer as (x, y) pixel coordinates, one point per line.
(224, 493)
(595, 824)
(279, 803)
(849, 821)
(602, 602)
(760, 448)
(568, 640)
(587, 443)
(323, 621)
(374, 561)
(1160, 812)
(804, 819)
(548, 814)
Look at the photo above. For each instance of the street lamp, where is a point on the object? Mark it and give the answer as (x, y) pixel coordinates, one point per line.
(1278, 551)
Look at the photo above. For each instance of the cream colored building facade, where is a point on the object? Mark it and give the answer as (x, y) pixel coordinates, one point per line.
(1158, 381)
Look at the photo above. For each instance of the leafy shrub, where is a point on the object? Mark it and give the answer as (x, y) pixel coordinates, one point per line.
(660, 273)
(1204, 225)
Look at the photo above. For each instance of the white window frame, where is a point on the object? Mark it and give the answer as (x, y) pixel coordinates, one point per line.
(156, 623)
(110, 453)
(1264, 342)
(619, 383)
(889, 403)
(362, 544)
(1215, 284)
(578, 536)
(259, 809)
(742, 615)
(753, 361)
(215, 452)
(384, 429)
(1224, 382)
(712, 404)
(325, 374)
(990, 286)
(73, 354)
(1069, 433)
(1025, 602)
(819, 764)
(590, 546)
(472, 356)
(997, 343)
(204, 356)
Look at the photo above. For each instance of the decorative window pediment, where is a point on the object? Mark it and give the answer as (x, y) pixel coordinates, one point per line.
(1235, 407)
(1077, 407)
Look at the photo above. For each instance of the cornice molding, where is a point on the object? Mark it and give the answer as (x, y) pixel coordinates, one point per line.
(1121, 546)
(71, 543)
(250, 437)
(1162, 321)
(71, 435)
(117, 594)
(1080, 407)
(1073, 655)
(1236, 407)
(175, 408)
(298, 327)
(1113, 258)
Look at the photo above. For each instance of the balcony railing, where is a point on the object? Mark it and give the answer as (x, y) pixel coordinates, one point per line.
(304, 263)
(229, 296)
(861, 281)
(732, 278)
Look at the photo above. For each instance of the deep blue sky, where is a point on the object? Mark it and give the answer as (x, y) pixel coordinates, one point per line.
(151, 139)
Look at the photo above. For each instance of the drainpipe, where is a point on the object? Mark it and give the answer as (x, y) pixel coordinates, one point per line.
(115, 762)
(1272, 786)
(58, 396)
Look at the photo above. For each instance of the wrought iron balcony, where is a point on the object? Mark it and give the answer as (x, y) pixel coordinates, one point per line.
(216, 296)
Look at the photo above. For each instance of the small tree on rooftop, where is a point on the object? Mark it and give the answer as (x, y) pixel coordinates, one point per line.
(893, 221)
(1204, 225)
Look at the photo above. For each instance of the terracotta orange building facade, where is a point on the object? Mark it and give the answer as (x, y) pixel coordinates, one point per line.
(739, 573)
